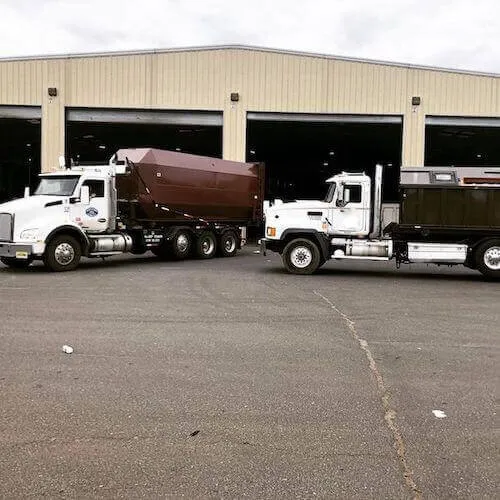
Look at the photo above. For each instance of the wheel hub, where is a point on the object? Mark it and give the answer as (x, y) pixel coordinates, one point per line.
(182, 242)
(492, 258)
(206, 246)
(64, 254)
(229, 245)
(301, 257)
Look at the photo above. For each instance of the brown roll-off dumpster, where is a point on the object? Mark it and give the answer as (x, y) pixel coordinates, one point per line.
(170, 186)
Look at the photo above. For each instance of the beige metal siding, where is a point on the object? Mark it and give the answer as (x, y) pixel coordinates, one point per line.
(266, 81)
(21, 82)
(109, 81)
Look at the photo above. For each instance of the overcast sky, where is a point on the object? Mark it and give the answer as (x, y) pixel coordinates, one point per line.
(449, 33)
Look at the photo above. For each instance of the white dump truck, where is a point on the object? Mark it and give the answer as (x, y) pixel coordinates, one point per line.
(447, 216)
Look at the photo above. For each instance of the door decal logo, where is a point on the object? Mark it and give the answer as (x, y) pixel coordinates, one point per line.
(91, 211)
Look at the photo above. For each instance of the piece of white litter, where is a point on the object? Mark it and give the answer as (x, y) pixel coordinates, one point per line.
(439, 413)
(67, 349)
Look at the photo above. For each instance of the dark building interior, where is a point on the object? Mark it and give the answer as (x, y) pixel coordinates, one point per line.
(300, 156)
(19, 156)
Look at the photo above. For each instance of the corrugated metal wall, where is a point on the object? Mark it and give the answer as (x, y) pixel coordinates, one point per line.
(266, 81)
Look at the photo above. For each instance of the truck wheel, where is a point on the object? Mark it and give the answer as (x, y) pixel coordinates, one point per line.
(488, 258)
(206, 245)
(301, 256)
(16, 263)
(228, 244)
(181, 245)
(63, 253)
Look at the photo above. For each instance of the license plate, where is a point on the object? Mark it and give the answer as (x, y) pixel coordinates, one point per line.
(21, 255)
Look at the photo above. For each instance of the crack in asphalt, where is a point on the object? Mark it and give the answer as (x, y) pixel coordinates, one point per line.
(389, 412)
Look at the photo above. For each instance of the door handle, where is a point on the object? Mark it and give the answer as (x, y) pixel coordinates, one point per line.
(101, 220)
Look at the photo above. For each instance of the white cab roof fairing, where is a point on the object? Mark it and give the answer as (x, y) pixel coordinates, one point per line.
(96, 169)
(335, 177)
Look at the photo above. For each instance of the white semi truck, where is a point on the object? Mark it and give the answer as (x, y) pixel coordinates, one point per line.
(447, 216)
(170, 203)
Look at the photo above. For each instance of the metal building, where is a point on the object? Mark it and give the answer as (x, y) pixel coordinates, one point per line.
(305, 115)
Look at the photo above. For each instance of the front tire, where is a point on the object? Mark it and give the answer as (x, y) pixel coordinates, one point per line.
(488, 259)
(301, 256)
(14, 263)
(63, 253)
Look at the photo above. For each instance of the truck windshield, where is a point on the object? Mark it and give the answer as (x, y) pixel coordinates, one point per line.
(57, 186)
(330, 193)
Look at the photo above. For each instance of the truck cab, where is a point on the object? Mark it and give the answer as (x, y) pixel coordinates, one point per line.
(76, 202)
(346, 212)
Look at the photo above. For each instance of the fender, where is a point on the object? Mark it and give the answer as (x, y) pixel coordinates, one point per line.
(317, 236)
(73, 230)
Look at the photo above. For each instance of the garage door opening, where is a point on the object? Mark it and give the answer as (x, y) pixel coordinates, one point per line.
(301, 155)
(462, 141)
(20, 134)
(95, 135)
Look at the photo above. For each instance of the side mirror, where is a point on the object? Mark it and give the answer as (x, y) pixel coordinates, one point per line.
(341, 196)
(26, 192)
(344, 196)
(85, 195)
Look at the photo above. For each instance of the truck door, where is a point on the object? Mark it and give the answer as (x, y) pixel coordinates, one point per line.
(350, 213)
(95, 215)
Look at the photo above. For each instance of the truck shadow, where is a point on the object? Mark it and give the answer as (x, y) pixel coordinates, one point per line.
(113, 262)
(394, 275)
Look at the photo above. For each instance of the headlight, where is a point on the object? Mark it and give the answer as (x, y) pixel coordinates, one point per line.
(29, 234)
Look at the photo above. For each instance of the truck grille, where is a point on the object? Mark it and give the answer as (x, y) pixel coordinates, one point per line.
(6, 223)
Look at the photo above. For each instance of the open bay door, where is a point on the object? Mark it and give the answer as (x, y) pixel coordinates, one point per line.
(462, 141)
(302, 150)
(20, 135)
(94, 134)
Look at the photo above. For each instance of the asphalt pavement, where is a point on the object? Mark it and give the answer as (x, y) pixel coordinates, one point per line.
(230, 378)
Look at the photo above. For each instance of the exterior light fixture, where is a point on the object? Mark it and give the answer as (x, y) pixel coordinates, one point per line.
(52, 91)
(415, 101)
(235, 96)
